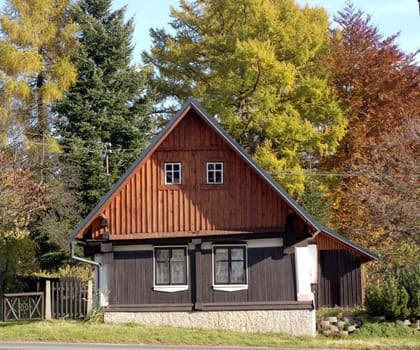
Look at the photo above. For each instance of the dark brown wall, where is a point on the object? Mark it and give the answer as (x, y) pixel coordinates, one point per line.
(270, 273)
(271, 277)
(131, 278)
(339, 279)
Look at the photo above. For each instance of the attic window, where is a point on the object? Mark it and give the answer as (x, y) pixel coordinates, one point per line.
(214, 173)
(173, 173)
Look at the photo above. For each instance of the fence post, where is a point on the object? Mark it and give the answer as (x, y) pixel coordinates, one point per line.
(89, 298)
(48, 315)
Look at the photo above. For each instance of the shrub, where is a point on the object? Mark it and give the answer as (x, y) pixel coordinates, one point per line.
(373, 301)
(384, 329)
(398, 297)
(409, 279)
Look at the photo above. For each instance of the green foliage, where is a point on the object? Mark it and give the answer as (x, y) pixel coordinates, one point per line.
(394, 299)
(315, 201)
(109, 103)
(384, 329)
(17, 257)
(398, 297)
(96, 315)
(409, 279)
(82, 272)
(373, 302)
(254, 64)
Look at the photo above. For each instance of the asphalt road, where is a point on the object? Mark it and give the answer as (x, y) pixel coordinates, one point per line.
(67, 346)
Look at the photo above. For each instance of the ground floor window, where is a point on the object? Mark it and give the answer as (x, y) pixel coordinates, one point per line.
(229, 267)
(170, 268)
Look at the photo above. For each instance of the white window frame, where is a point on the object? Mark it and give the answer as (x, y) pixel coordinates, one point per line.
(229, 287)
(172, 171)
(214, 171)
(170, 287)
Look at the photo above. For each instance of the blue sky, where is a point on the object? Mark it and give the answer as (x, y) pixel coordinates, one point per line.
(390, 16)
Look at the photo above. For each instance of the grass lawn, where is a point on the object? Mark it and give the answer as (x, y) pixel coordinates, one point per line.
(129, 333)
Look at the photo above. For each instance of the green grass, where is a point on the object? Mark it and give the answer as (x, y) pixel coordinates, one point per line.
(130, 333)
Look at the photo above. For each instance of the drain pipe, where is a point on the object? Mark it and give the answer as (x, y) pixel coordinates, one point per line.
(96, 264)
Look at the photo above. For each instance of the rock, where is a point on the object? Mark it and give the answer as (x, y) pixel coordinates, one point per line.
(332, 319)
(351, 328)
(407, 322)
(341, 324)
(324, 324)
(334, 329)
(326, 333)
(343, 333)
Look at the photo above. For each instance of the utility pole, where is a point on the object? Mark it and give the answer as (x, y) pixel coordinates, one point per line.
(107, 147)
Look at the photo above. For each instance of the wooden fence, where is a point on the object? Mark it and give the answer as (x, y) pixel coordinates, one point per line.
(70, 298)
(62, 298)
(23, 306)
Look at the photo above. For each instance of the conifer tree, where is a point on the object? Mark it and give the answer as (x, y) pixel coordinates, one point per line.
(109, 103)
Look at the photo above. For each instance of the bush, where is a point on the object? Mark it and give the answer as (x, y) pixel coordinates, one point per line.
(384, 329)
(409, 278)
(373, 301)
(398, 297)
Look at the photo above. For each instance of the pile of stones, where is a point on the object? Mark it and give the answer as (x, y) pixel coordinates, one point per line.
(334, 326)
(342, 326)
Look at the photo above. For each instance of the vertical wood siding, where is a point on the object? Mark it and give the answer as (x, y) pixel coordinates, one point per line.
(131, 278)
(270, 278)
(145, 207)
(339, 279)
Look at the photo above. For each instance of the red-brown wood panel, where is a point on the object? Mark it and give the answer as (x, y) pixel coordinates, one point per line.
(144, 205)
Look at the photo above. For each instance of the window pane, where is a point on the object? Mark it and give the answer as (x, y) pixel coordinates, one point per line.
(238, 272)
(162, 255)
(178, 272)
(222, 272)
(178, 254)
(162, 273)
(222, 254)
(237, 254)
(210, 177)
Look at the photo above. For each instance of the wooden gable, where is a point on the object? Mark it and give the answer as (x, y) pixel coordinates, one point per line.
(144, 207)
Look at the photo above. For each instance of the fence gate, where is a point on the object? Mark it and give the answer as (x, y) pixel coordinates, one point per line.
(23, 306)
(69, 298)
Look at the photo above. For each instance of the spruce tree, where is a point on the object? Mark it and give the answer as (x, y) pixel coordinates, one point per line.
(108, 104)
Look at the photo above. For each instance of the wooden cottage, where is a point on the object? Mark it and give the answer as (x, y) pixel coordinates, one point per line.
(196, 234)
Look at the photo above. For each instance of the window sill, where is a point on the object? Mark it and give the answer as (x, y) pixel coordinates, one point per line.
(170, 289)
(230, 287)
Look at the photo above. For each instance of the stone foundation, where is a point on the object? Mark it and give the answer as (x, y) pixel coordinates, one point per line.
(294, 322)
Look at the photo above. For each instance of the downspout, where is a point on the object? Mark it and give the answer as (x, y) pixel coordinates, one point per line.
(96, 264)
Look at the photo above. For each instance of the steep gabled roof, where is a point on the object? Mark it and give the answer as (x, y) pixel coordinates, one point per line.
(191, 103)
